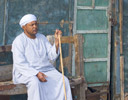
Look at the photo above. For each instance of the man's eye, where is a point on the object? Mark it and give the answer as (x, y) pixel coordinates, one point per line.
(31, 25)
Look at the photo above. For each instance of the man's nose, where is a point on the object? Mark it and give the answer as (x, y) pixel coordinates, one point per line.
(35, 26)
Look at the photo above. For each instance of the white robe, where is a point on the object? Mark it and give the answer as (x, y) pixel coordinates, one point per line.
(31, 56)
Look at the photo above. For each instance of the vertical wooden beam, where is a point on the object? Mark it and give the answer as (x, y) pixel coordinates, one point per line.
(121, 49)
(79, 65)
(70, 48)
(77, 69)
(116, 54)
(115, 50)
(80, 41)
(122, 77)
(121, 24)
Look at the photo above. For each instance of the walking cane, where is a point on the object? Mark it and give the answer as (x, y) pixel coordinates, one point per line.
(61, 60)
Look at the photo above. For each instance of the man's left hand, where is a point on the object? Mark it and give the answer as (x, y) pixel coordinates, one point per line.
(58, 33)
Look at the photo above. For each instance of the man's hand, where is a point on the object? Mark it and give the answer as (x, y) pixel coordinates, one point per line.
(58, 33)
(42, 77)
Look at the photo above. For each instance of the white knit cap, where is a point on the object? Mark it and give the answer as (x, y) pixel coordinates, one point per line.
(26, 19)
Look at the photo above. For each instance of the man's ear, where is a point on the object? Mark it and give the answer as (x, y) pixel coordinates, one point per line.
(23, 27)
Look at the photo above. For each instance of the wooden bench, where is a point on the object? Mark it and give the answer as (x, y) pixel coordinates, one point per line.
(77, 82)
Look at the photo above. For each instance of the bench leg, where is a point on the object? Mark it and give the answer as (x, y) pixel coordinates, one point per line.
(78, 92)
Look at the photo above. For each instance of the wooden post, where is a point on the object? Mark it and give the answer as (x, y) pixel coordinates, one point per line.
(121, 24)
(122, 77)
(79, 65)
(121, 49)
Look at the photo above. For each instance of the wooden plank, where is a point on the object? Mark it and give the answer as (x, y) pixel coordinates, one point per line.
(80, 54)
(122, 76)
(16, 89)
(5, 48)
(76, 46)
(76, 81)
(83, 85)
(121, 25)
(83, 88)
(10, 89)
(79, 62)
(5, 72)
(92, 31)
(79, 91)
(91, 7)
(67, 39)
(95, 59)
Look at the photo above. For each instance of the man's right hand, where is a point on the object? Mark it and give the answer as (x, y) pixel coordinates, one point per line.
(42, 77)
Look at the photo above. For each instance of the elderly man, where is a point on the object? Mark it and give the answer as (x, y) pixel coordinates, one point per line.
(31, 57)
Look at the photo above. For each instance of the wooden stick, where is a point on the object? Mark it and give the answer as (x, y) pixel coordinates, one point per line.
(62, 68)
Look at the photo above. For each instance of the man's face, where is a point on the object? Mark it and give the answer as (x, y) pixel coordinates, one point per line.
(31, 28)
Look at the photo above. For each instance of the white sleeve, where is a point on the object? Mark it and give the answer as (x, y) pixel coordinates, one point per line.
(51, 50)
(19, 60)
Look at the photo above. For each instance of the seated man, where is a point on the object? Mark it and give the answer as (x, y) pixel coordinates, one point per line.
(31, 54)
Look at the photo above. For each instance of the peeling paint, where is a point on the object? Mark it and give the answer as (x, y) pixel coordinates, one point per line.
(62, 23)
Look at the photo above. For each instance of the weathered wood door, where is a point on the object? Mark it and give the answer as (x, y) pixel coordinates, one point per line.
(92, 21)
